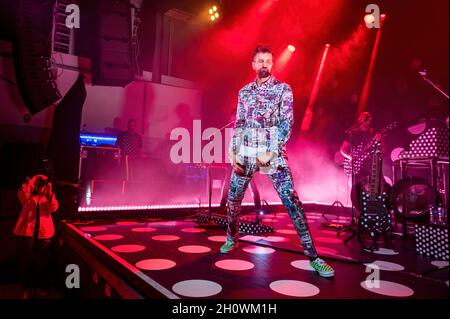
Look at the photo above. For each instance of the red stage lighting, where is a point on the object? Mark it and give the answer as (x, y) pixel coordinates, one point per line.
(291, 48)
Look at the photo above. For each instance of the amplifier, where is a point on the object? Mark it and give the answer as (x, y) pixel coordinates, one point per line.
(99, 163)
(432, 241)
(432, 143)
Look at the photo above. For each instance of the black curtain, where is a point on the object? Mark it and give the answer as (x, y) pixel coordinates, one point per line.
(8, 9)
(64, 142)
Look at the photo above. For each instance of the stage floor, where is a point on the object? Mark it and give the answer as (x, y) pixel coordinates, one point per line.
(180, 260)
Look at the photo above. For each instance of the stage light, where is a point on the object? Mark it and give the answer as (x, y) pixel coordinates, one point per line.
(306, 122)
(214, 13)
(369, 18)
(291, 48)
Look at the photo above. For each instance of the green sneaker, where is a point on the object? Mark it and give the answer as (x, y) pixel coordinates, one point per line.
(322, 267)
(228, 247)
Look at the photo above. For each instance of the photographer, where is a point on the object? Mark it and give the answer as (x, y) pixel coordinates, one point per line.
(34, 230)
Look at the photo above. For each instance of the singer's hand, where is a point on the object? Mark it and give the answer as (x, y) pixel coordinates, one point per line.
(264, 159)
(27, 187)
(48, 191)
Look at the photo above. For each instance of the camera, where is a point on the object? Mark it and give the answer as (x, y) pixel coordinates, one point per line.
(39, 183)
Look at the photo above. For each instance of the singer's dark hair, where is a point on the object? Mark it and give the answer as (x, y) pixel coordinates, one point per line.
(262, 49)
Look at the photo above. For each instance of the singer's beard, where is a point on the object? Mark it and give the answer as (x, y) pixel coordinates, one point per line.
(263, 73)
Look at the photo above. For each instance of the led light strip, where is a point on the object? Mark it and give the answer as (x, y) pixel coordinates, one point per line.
(156, 207)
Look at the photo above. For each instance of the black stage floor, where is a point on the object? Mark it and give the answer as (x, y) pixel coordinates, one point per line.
(175, 259)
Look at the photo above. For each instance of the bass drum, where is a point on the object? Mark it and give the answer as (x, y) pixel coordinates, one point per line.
(412, 197)
(363, 185)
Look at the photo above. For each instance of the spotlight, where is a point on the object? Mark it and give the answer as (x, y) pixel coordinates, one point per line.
(214, 13)
(369, 18)
(291, 48)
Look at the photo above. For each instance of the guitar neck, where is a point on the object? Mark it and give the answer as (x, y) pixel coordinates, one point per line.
(375, 176)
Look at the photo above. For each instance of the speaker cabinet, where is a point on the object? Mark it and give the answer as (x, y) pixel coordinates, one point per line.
(31, 51)
(112, 61)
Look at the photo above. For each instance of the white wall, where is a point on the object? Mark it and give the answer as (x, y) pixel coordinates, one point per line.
(152, 105)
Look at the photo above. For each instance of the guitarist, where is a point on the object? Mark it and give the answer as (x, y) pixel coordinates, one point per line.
(358, 137)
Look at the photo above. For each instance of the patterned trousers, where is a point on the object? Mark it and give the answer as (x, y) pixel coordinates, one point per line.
(284, 185)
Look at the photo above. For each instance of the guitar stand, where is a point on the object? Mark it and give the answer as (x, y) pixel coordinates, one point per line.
(357, 232)
(352, 228)
(387, 240)
(336, 204)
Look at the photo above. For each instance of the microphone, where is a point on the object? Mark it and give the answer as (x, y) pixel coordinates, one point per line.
(423, 72)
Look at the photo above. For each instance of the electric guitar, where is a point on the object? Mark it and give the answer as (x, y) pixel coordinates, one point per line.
(361, 153)
(375, 217)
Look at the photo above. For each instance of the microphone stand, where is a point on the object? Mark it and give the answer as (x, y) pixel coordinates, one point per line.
(208, 175)
(351, 227)
(337, 203)
(425, 78)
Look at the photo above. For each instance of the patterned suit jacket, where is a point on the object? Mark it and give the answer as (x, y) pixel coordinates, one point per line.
(264, 122)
